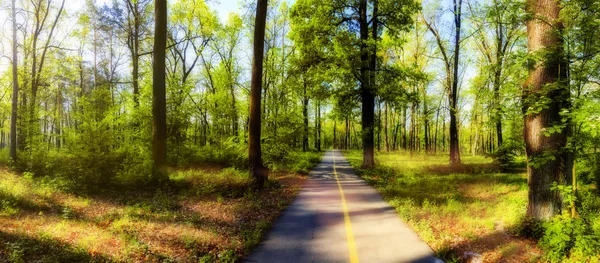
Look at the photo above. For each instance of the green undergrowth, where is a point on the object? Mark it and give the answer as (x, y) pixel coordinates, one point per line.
(573, 239)
(90, 171)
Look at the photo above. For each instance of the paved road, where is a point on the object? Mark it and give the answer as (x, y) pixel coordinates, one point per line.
(338, 217)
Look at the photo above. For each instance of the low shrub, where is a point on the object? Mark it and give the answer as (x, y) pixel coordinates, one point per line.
(230, 154)
(508, 153)
(574, 239)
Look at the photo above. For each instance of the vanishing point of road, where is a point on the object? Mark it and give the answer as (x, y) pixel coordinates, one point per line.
(338, 217)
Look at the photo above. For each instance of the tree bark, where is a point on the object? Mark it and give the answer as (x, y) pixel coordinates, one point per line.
(404, 144)
(318, 126)
(454, 143)
(135, 50)
(305, 101)
(497, 103)
(334, 143)
(367, 77)
(427, 130)
(347, 135)
(15, 92)
(547, 78)
(257, 171)
(385, 128)
(378, 126)
(159, 104)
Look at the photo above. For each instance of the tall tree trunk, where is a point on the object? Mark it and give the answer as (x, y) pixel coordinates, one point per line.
(316, 130)
(404, 146)
(347, 135)
(334, 144)
(454, 143)
(435, 136)
(234, 118)
(378, 126)
(59, 107)
(318, 126)
(15, 92)
(426, 130)
(257, 171)
(159, 103)
(135, 78)
(498, 78)
(368, 98)
(385, 128)
(444, 132)
(135, 56)
(413, 124)
(498, 106)
(544, 38)
(305, 117)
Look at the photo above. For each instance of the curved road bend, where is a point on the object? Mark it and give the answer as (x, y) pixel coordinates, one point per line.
(338, 217)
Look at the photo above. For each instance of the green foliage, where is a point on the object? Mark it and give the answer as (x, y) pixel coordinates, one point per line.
(508, 153)
(4, 157)
(567, 194)
(565, 236)
(589, 169)
(229, 154)
(275, 153)
(135, 165)
(227, 256)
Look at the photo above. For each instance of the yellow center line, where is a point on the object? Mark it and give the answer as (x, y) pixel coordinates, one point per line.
(349, 232)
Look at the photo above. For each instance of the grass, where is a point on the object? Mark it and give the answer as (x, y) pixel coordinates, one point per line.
(205, 214)
(471, 212)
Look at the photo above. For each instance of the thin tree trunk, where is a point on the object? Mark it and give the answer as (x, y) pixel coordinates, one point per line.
(426, 130)
(59, 102)
(15, 92)
(454, 143)
(385, 129)
(404, 146)
(318, 125)
(234, 118)
(305, 117)
(435, 136)
(334, 144)
(378, 126)
(347, 135)
(316, 130)
(135, 56)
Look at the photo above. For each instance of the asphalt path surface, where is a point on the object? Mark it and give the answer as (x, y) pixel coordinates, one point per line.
(338, 217)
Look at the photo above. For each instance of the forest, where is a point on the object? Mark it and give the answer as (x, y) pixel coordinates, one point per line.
(178, 131)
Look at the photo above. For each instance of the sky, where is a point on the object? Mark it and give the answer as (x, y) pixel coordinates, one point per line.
(224, 7)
